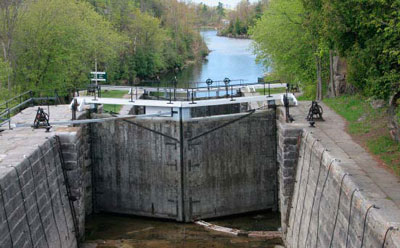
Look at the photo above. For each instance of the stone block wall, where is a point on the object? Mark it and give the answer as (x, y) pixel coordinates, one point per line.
(288, 141)
(334, 203)
(75, 147)
(34, 208)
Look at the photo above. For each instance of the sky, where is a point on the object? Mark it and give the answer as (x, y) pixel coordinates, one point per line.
(227, 3)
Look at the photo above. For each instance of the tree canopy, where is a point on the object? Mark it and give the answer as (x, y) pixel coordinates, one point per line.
(293, 33)
(49, 44)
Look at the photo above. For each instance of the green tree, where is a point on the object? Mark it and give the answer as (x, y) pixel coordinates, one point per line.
(238, 27)
(10, 11)
(284, 44)
(220, 10)
(57, 43)
(244, 16)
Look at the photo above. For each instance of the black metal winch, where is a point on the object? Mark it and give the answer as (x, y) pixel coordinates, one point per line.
(315, 113)
(41, 120)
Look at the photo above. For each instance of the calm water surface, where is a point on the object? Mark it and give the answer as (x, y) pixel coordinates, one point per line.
(232, 58)
(119, 231)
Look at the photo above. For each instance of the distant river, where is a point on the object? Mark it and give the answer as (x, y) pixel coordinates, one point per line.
(232, 58)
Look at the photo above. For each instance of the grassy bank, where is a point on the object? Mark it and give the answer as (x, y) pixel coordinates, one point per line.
(368, 127)
(113, 94)
(273, 91)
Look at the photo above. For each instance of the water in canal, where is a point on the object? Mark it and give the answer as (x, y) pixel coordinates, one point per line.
(232, 58)
(120, 231)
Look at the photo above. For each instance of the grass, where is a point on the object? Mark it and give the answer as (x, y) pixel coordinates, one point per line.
(368, 127)
(304, 98)
(273, 90)
(356, 110)
(112, 108)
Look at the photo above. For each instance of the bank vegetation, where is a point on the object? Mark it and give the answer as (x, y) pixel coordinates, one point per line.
(347, 51)
(54, 44)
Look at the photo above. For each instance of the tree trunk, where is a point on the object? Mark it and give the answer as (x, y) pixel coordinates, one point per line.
(319, 79)
(332, 87)
(339, 77)
(394, 127)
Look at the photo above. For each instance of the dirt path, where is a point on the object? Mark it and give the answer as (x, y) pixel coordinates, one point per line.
(334, 127)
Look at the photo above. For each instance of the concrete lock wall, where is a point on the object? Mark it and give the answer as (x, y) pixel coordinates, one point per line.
(326, 201)
(159, 167)
(34, 209)
(76, 151)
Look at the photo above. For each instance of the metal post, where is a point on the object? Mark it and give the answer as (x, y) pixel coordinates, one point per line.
(95, 99)
(286, 103)
(95, 69)
(192, 97)
(48, 106)
(74, 108)
(170, 96)
(158, 88)
(269, 89)
(175, 82)
(217, 89)
(264, 88)
(232, 94)
(9, 118)
(226, 82)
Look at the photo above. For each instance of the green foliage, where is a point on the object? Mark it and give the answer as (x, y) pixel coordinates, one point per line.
(368, 126)
(244, 16)
(53, 44)
(284, 43)
(113, 108)
(57, 42)
(368, 35)
(220, 9)
(273, 90)
(5, 71)
(142, 54)
(208, 16)
(160, 37)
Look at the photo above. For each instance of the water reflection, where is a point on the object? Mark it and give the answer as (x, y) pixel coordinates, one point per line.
(232, 58)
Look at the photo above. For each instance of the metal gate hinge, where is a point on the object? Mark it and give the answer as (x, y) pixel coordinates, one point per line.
(190, 145)
(193, 165)
(175, 164)
(171, 144)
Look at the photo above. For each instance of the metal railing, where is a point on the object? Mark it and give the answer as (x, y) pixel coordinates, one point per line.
(17, 103)
(12, 105)
(192, 90)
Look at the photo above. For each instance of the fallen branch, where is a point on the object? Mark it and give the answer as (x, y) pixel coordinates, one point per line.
(237, 232)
